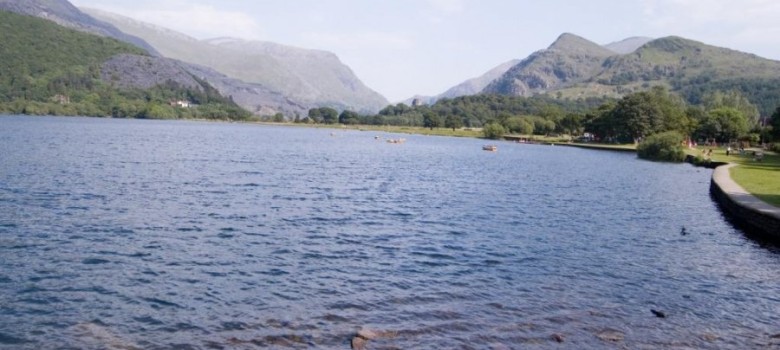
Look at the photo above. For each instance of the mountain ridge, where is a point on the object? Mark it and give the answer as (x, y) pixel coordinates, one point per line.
(570, 58)
(573, 68)
(312, 78)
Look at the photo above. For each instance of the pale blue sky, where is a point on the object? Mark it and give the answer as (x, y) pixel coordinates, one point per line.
(405, 47)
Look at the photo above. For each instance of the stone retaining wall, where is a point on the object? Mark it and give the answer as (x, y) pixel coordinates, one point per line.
(744, 207)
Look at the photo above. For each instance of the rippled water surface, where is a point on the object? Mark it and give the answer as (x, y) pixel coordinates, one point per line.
(125, 234)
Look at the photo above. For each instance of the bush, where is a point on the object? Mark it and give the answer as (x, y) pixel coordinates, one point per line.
(493, 131)
(776, 147)
(664, 147)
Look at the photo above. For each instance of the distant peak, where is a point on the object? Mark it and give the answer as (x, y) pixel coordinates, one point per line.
(566, 39)
(568, 42)
(628, 45)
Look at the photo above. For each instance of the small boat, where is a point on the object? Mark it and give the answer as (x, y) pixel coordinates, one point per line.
(491, 148)
(401, 140)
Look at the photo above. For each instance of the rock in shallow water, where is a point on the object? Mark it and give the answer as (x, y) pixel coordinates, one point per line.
(557, 337)
(372, 334)
(611, 335)
(359, 343)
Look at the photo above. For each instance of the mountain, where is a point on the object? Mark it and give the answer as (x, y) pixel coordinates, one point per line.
(50, 69)
(469, 87)
(628, 45)
(677, 59)
(568, 60)
(574, 67)
(256, 98)
(476, 85)
(65, 14)
(311, 78)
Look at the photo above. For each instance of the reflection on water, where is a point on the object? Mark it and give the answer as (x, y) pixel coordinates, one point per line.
(176, 235)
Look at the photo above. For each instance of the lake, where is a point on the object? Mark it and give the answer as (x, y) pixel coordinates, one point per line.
(133, 234)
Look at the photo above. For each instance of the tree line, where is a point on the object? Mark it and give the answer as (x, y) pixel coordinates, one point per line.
(720, 116)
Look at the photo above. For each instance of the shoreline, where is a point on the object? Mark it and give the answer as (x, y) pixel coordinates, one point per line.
(746, 208)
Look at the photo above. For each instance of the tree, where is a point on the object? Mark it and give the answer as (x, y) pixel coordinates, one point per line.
(453, 122)
(571, 123)
(315, 115)
(775, 123)
(493, 131)
(731, 123)
(542, 126)
(329, 115)
(645, 113)
(665, 147)
(159, 111)
(520, 125)
(349, 117)
(732, 99)
(431, 120)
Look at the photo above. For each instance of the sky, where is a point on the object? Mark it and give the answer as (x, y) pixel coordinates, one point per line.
(402, 48)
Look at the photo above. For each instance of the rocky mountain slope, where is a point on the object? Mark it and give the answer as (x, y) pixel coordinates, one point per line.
(568, 60)
(574, 67)
(65, 14)
(469, 87)
(475, 85)
(311, 78)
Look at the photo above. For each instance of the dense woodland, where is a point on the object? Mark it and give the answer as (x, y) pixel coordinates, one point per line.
(50, 70)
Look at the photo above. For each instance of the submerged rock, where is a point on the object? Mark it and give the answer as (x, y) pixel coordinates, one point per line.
(611, 335)
(359, 343)
(558, 337)
(99, 334)
(657, 313)
(709, 337)
(371, 334)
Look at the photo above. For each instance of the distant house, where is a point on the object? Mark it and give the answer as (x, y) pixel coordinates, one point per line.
(181, 104)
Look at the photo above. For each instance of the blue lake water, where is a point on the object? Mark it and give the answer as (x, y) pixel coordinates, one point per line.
(131, 234)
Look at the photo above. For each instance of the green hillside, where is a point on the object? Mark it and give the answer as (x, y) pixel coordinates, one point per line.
(49, 69)
(575, 68)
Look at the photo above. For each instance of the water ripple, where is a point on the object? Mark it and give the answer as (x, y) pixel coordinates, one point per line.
(122, 234)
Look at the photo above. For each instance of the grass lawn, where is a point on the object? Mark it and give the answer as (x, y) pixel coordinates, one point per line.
(762, 179)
